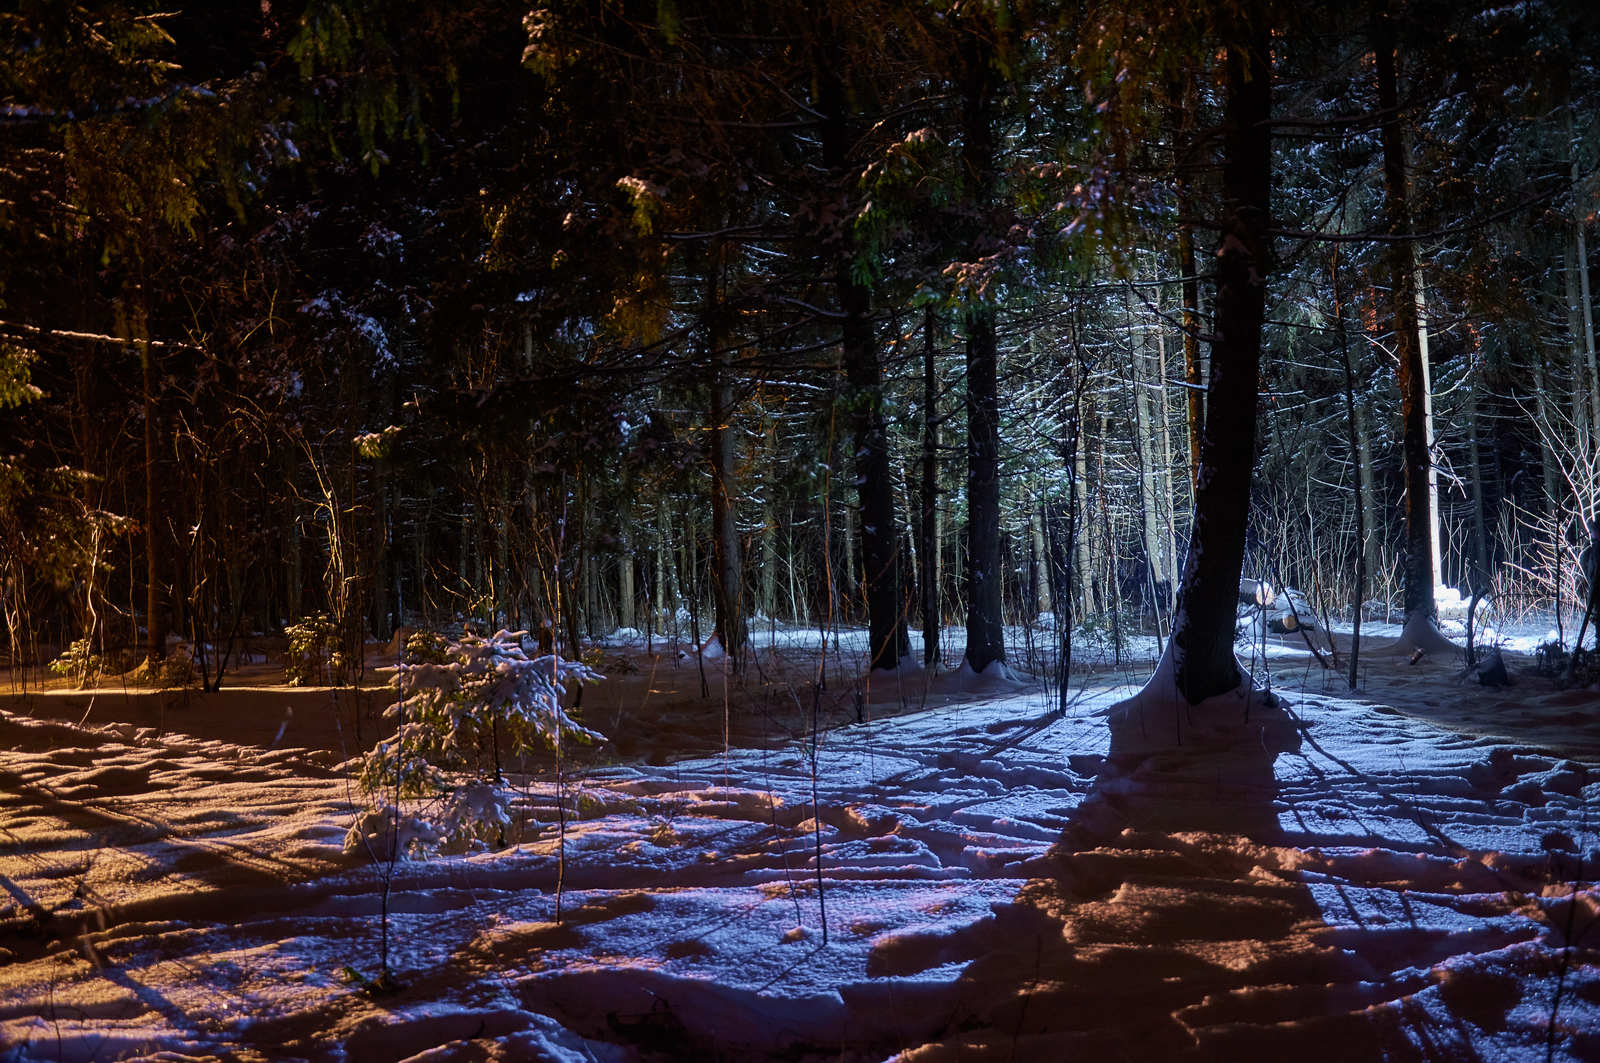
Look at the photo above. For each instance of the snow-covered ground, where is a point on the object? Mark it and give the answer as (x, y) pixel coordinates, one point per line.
(962, 874)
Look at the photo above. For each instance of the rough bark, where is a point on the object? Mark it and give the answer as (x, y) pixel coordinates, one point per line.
(880, 542)
(985, 636)
(1202, 637)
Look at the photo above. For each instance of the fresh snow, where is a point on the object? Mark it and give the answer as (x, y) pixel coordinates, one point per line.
(1407, 872)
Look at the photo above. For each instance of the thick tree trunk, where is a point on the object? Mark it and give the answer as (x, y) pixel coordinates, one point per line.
(880, 539)
(727, 569)
(985, 635)
(1417, 562)
(1202, 637)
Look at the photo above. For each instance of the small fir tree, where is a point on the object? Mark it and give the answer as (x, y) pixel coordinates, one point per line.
(458, 716)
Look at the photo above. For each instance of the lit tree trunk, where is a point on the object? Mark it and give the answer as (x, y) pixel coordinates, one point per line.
(1044, 601)
(666, 583)
(1165, 497)
(1435, 558)
(910, 552)
(155, 616)
(1110, 593)
(769, 562)
(1081, 519)
(625, 588)
(1417, 561)
(1195, 393)
(1576, 276)
(1591, 364)
(1202, 636)
(1144, 452)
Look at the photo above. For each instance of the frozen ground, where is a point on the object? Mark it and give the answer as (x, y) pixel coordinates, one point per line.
(961, 874)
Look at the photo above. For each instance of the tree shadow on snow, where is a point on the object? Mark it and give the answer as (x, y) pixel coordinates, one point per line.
(1170, 923)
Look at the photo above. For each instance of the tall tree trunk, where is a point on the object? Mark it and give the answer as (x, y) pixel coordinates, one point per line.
(929, 528)
(1553, 488)
(1370, 544)
(1039, 555)
(880, 539)
(1109, 591)
(1083, 562)
(1195, 393)
(1165, 494)
(1202, 636)
(727, 570)
(1144, 454)
(1357, 452)
(1416, 564)
(1578, 358)
(985, 633)
(1481, 552)
(156, 592)
(769, 561)
(625, 588)
(1590, 361)
(1435, 544)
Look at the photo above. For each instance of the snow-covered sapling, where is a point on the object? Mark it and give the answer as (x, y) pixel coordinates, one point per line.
(456, 719)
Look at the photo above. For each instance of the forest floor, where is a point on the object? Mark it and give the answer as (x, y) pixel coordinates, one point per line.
(930, 865)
